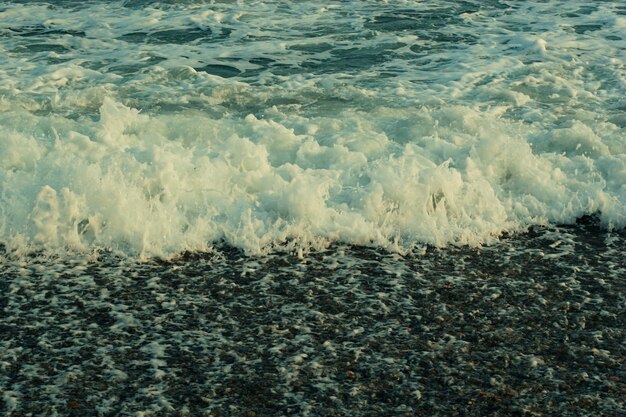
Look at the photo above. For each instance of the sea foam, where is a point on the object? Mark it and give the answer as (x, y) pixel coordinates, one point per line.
(165, 183)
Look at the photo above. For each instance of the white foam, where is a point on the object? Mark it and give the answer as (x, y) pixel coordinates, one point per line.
(158, 185)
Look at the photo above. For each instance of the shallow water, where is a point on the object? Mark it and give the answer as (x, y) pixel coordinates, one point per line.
(286, 208)
(533, 325)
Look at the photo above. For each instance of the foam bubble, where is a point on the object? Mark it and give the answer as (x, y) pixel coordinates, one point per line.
(155, 185)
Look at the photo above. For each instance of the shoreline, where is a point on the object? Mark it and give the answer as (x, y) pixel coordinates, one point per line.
(530, 326)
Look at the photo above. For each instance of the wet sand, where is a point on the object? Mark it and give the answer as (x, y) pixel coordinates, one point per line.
(534, 325)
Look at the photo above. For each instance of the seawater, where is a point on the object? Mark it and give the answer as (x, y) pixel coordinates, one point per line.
(304, 208)
(152, 128)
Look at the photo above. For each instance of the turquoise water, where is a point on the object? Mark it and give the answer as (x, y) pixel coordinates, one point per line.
(152, 128)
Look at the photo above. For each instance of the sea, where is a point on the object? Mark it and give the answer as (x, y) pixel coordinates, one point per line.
(312, 208)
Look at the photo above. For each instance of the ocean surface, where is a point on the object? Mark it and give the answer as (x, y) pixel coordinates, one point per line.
(281, 208)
